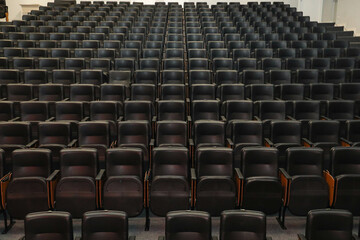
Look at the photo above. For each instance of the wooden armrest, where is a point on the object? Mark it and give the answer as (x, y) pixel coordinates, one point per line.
(223, 119)
(229, 143)
(307, 142)
(15, 119)
(345, 143)
(4, 182)
(99, 182)
(34, 99)
(301, 237)
(331, 183)
(120, 118)
(239, 179)
(193, 186)
(290, 118)
(85, 119)
(72, 143)
(153, 119)
(100, 175)
(257, 118)
(32, 144)
(51, 182)
(324, 118)
(50, 119)
(268, 142)
(65, 99)
(189, 118)
(285, 180)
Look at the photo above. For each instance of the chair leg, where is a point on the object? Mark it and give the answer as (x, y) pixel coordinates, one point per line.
(281, 217)
(7, 226)
(147, 220)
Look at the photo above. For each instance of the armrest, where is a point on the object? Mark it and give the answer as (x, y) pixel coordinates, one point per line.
(15, 119)
(307, 142)
(230, 143)
(278, 99)
(192, 151)
(120, 118)
(356, 117)
(99, 185)
(239, 179)
(188, 118)
(193, 186)
(100, 175)
(214, 238)
(257, 118)
(3, 99)
(32, 144)
(132, 238)
(153, 119)
(331, 183)
(191, 142)
(78, 238)
(72, 143)
(161, 238)
(306, 98)
(285, 180)
(85, 119)
(187, 100)
(223, 119)
(51, 182)
(268, 142)
(53, 176)
(146, 189)
(345, 142)
(4, 182)
(290, 118)
(34, 99)
(324, 118)
(50, 119)
(301, 237)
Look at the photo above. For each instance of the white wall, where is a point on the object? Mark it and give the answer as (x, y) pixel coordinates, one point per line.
(312, 8)
(347, 15)
(15, 8)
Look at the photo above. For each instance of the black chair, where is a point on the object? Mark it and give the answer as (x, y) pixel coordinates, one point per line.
(329, 224)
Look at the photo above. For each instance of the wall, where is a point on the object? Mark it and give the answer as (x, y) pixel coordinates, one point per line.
(329, 11)
(312, 8)
(347, 14)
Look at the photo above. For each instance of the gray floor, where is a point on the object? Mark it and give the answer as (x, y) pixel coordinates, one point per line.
(294, 225)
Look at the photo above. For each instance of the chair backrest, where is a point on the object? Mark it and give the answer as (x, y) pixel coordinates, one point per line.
(247, 132)
(49, 225)
(259, 161)
(188, 225)
(209, 132)
(214, 161)
(170, 161)
(304, 161)
(286, 132)
(105, 224)
(324, 131)
(124, 161)
(17, 133)
(345, 160)
(78, 162)
(54, 133)
(331, 224)
(133, 132)
(95, 132)
(171, 133)
(31, 163)
(242, 224)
